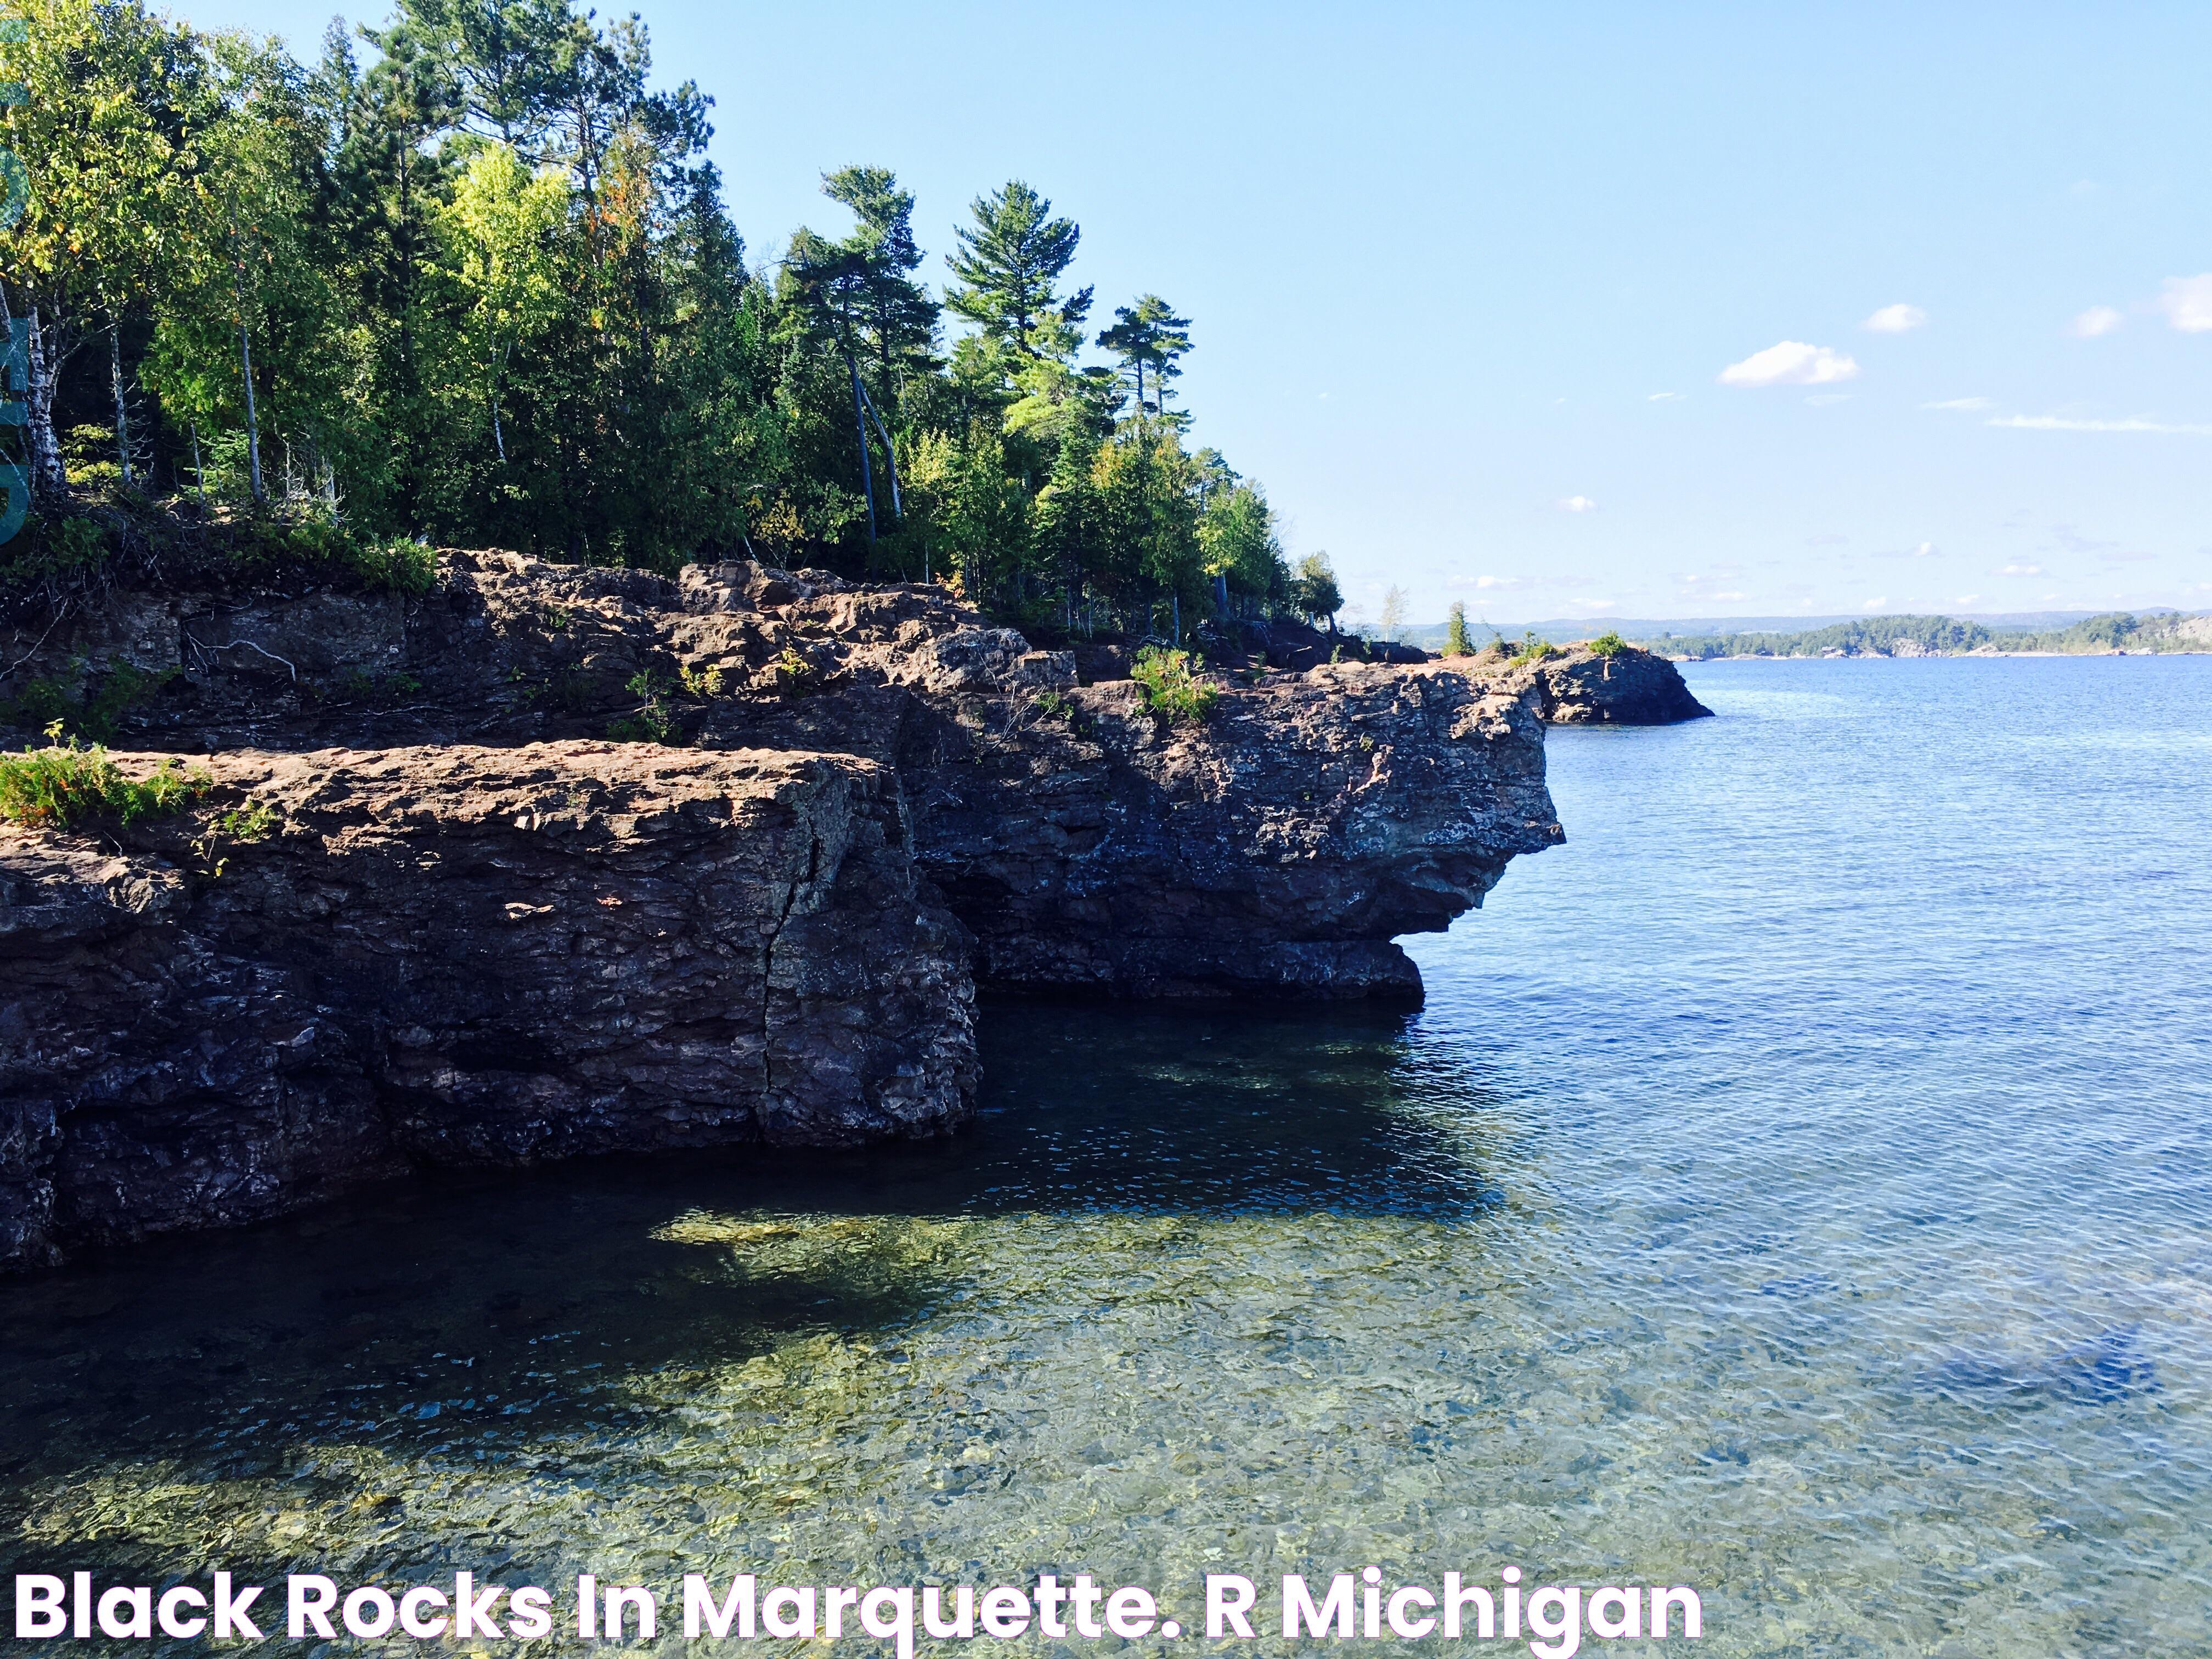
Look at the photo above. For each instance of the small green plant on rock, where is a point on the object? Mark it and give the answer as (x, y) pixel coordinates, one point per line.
(1168, 687)
(655, 720)
(65, 784)
(1609, 643)
(700, 682)
(795, 676)
(256, 821)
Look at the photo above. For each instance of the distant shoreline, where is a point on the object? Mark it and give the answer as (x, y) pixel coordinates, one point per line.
(1925, 656)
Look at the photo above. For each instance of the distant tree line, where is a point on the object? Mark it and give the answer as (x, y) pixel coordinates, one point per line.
(467, 275)
(1885, 636)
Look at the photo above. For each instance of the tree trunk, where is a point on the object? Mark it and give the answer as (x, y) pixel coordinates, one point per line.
(49, 477)
(860, 427)
(122, 408)
(199, 476)
(252, 426)
(498, 435)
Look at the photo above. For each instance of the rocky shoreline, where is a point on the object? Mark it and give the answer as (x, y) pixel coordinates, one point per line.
(560, 859)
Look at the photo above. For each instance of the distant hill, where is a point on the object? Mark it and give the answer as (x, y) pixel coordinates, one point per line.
(1949, 636)
(1643, 628)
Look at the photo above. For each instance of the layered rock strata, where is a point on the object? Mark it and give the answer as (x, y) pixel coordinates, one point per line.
(562, 859)
(345, 963)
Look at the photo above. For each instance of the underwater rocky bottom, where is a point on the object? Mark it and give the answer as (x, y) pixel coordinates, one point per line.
(1804, 1203)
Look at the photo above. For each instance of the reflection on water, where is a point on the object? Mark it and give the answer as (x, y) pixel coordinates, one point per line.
(1797, 1186)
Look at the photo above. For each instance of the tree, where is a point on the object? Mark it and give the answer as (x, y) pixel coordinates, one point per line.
(483, 279)
(1455, 640)
(892, 312)
(115, 100)
(504, 222)
(1009, 266)
(1315, 592)
(1237, 546)
(1391, 621)
(1148, 335)
(503, 58)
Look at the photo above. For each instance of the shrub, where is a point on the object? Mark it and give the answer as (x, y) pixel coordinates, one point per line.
(1168, 686)
(1609, 643)
(1532, 650)
(398, 566)
(65, 784)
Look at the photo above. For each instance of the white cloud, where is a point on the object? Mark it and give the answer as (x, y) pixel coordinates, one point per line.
(1969, 405)
(1498, 582)
(2060, 423)
(2187, 303)
(1895, 319)
(2095, 321)
(1924, 550)
(1792, 362)
(2021, 570)
(1966, 599)
(1876, 605)
(1664, 397)
(1577, 504)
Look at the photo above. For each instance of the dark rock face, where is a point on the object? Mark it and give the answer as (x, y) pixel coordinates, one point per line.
(481, 932)
(470, 956)
(1630, 687)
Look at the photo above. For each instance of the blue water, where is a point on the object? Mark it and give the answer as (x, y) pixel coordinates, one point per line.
(1797, 1186)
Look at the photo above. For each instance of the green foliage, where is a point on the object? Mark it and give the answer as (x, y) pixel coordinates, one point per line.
(1314, 592)
(255, 821)
(654, 720)
(1608, 644)
(1170, 688)
(1532, 650)
(395, 566)
(1455, 640)
(108, 692)
(794, 676)
(483, 290)
(66, 785)
(1933, 636)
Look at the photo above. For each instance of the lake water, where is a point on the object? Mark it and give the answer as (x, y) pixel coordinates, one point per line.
(1797, 1186)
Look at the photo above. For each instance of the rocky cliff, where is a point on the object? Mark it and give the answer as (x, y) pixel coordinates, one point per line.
(558, 859)
(1627, 686)
(345, 962)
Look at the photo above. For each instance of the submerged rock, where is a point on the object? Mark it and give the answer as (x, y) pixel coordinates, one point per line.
(479, 931)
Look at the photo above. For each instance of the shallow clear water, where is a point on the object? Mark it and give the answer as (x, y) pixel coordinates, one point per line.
(1797, 1186)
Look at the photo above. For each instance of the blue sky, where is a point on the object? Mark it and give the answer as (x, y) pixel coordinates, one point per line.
(1579, 310)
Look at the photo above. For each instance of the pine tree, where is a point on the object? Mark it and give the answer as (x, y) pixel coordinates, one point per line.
(1009, 266)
